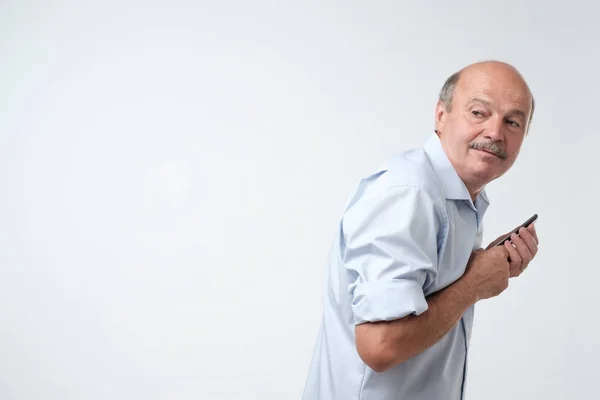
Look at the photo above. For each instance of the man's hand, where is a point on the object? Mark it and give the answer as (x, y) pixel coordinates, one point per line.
(487, 272)
(521, 247)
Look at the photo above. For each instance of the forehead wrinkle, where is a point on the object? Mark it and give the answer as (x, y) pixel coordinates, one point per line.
(475, 99)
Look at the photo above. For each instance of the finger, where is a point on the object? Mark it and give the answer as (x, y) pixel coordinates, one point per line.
(531, 229)
(515, 259)
(522, 248)
(529, 240)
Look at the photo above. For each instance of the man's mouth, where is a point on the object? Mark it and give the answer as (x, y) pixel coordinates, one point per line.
(489, 152)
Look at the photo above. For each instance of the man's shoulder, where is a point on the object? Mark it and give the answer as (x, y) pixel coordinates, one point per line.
(408, 169)
(412, 168)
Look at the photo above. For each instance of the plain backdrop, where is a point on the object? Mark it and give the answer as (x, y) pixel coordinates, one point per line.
(172, 174)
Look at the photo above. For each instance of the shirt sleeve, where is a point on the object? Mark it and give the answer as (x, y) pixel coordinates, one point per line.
(390, 251)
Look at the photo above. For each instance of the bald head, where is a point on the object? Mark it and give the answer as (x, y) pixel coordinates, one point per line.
(489, 68)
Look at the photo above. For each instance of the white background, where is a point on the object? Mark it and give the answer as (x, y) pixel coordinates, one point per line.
(172, 175)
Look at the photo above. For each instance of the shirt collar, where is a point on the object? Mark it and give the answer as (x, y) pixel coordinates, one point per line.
(453, 186)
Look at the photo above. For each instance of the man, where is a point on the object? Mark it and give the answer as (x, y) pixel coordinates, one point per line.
(407, 266)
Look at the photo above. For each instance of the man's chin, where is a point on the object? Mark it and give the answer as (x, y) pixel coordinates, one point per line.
(485, 172)
(485, 176)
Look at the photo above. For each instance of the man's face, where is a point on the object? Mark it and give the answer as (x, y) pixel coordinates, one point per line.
(483, 132)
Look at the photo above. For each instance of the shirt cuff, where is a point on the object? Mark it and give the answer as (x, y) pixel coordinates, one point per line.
(387, 300)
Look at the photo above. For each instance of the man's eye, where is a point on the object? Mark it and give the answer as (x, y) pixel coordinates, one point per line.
(477, 113)
(513, 123)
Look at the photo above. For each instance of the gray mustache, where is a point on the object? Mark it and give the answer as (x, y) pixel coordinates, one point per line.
(489, 146)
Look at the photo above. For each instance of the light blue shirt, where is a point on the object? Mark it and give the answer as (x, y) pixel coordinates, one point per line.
(407, 231)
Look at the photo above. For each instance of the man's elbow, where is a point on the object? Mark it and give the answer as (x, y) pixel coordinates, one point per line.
(376, 349)
(378, 361)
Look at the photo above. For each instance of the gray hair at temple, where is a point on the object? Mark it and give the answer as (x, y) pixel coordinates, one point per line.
(447, 93)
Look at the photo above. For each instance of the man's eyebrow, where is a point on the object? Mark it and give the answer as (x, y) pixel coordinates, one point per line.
(518, 112)
(514, 111)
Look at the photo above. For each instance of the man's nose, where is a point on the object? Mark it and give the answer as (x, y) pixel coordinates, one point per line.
(494, 129)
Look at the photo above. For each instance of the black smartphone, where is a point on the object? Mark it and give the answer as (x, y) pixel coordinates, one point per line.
(523, 225)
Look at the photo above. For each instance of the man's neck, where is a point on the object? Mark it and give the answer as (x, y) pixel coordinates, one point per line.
(474, 190)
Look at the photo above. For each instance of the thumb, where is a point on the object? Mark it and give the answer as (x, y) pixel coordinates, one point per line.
(502, 250)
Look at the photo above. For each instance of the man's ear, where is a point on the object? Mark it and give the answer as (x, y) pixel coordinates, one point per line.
(440, 116)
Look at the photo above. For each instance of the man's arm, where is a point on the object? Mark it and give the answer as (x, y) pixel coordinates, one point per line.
(382, 345)
(390, 254)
